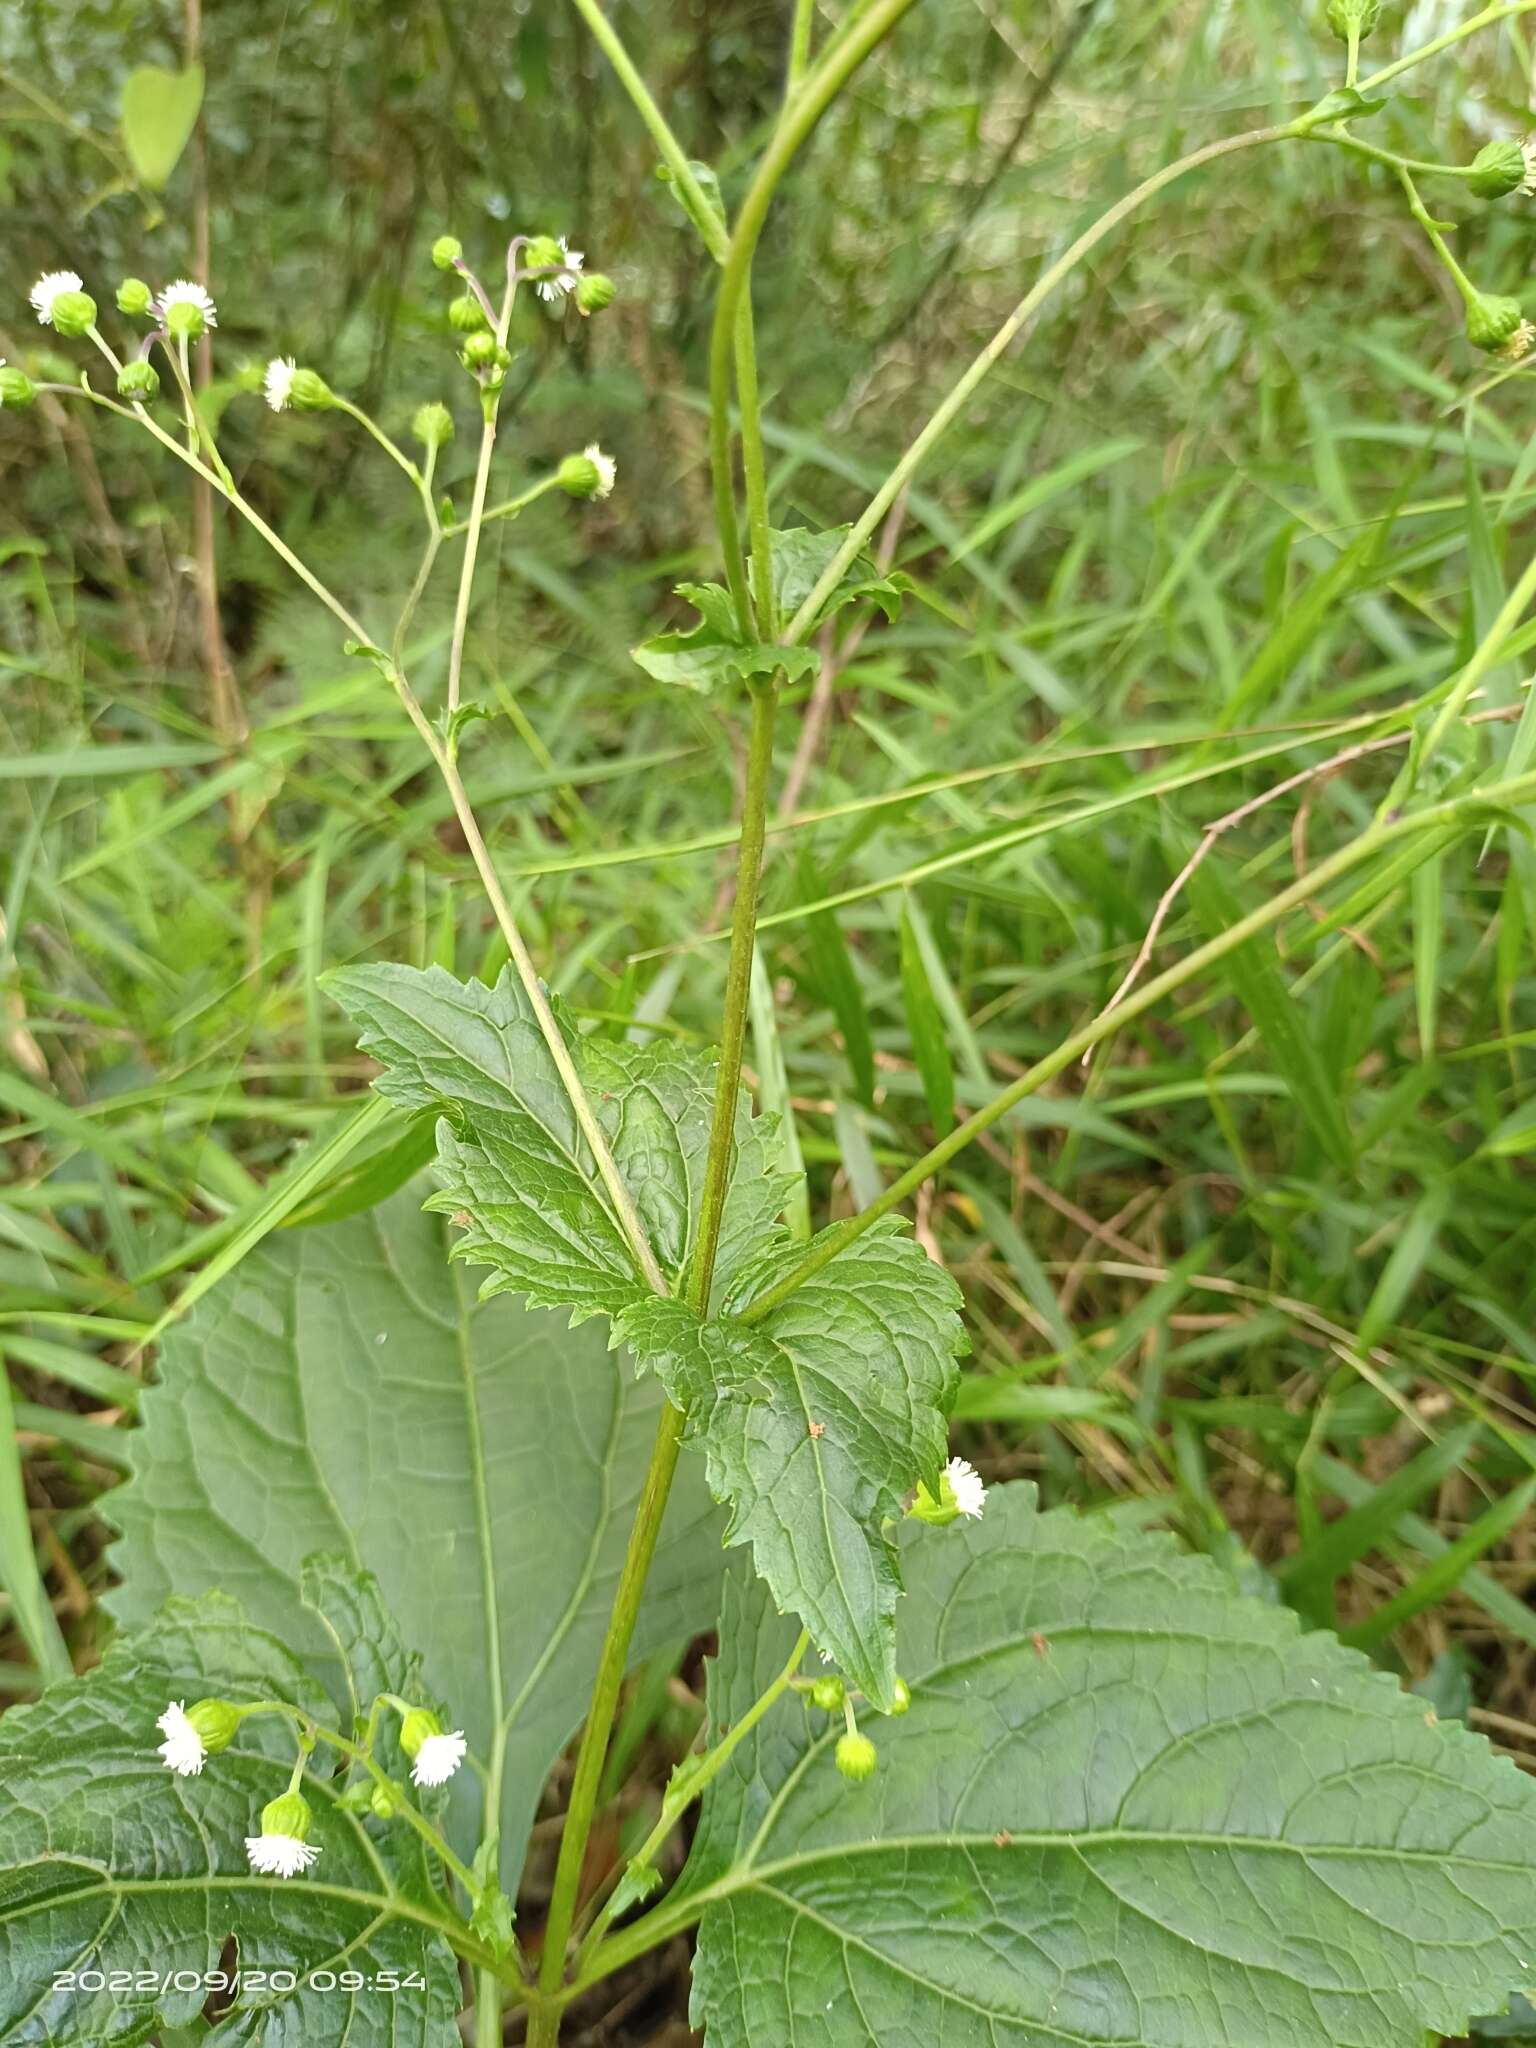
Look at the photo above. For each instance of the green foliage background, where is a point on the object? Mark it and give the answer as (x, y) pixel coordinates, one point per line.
(1263, 1269)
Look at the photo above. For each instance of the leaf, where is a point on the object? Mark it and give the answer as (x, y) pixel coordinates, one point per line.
(1344, 103)
(111, 1864)
(1175, 1820)
(343, 1393)
(713, 653)
(815, 1422)
(517, 1173)
(801, 555)
(159, 113)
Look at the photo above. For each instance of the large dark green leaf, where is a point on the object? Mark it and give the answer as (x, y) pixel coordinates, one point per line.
(343, 1392)
(816, 1421)
(116, 1872)
(1172, 1821)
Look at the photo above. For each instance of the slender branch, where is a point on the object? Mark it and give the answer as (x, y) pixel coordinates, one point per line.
(1378, 835)
(1506, 10)
(395, 453)
(799, 46)
(477, 505)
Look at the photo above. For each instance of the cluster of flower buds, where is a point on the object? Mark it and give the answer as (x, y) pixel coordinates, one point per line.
(182, 312)
(281, 1847)
(855, 1755)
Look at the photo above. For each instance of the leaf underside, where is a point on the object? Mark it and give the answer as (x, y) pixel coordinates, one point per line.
(110, 1864)
(815, 1422)
(343, 1392)
(1173, 1821)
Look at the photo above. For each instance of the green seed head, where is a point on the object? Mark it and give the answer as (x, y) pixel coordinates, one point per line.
(828, 1694)
(594, 291)
(134, 296)
(856, 1757)
(16, 388)
(466, 315)
(1498, 168)
(74, 314)
(433, 425)
(1492, 321)
(446, 251)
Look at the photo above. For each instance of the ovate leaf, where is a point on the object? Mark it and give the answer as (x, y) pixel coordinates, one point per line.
(343, 1392)
(1127, 1807)
(517, 1174)
(715, 652)
(802, 554)
(115, 1870)
(816, 1421)
(159, 113)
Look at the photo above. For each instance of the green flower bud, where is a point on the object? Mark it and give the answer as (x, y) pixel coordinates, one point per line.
(828, 1694)
(358, 1797)
(479, 350)
(542, 252)
(309, 392)
(466, 315)
(287, 1815)
(415, 1727)
(138, 380)
(856, 1757)
(594, 291)
(217, 1723)
(433, 425)
(16, 388)
(1498, 168)
(74, 314)
(446, 251)
(1353, 18)
(1492, 321)
(134, 296)
(901, 1699)
(384, 1800)
(588, 475)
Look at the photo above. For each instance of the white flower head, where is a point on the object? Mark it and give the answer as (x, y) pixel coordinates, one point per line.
(277, 382)
(50, 288)
(279, 1855)
(556, 287)
(185, 293)
(438, 1758)
(607, 469)
(182, 1750)
(965, 1484)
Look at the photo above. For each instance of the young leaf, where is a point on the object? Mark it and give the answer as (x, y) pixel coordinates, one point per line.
(802, 553)
(116, 1870)
(1127, 1805)
(517, 1173)
(343, 1392)
(714, 653)
(816, 1421)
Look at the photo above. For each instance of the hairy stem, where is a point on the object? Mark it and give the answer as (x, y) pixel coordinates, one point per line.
(477, 507)
(1371, 841)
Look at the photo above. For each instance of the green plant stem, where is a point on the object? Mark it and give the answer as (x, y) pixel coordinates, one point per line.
(1378, 835)
(700, 1772)
(1390, 158)
(1441, 247)
(510, 507)
(1505, 10)
(708, 222)
(799, 45)
(395, 453)
(960, 394)
(590, 1757)
(827, 78)
(477, 507)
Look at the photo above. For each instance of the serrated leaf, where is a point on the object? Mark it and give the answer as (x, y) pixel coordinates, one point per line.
(516, 1171)
(1173, 1820)
(159, 113)
(342, 1391)
(802, 554)
(816, 1421)
(110, 1863)
(704, 661)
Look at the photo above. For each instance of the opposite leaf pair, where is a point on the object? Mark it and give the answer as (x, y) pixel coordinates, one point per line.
(815, 1420)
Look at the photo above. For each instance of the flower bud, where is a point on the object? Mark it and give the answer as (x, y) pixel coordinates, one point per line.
(594, 291)
(134, 296)
(417, 1727)
(466, 315)
(1498, 168)
(828, 1694)
(479, 350)
(288, 1815)
(217, 1723)
(309, 392)
(901, 1697)
(446, 251)
(74, 314)
(358, 1797)
(856, 1757)
(543, 252)
(139, 381)
(384, 1801)
(1492, 321)
(1353, 18)
(433, 425)
(16, 388)
(588, 475)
